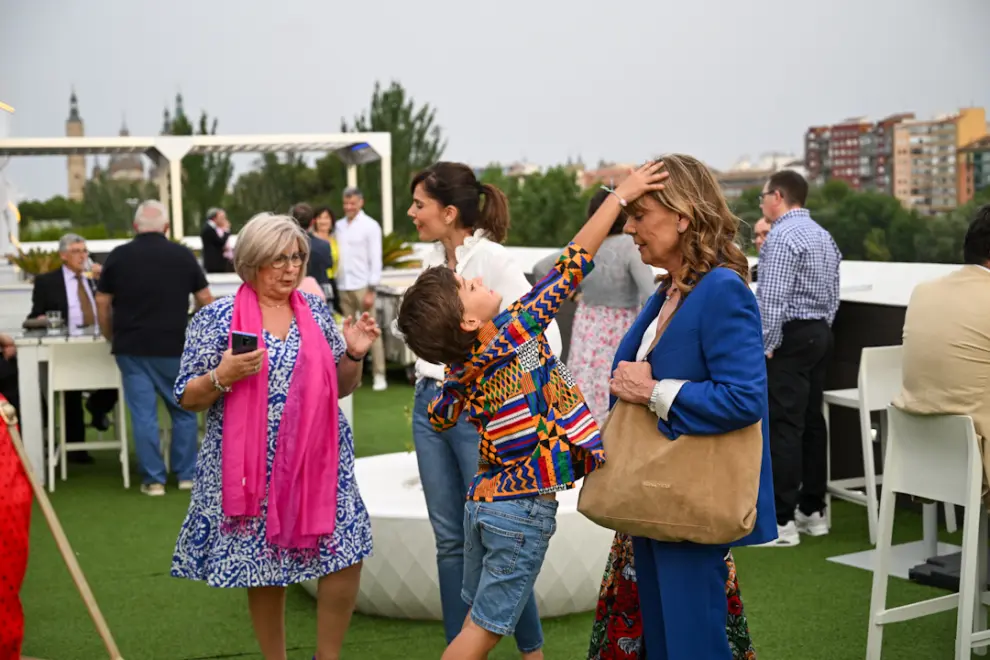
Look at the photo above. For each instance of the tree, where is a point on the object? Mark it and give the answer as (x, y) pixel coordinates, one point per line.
(111, 203)
(275, 186)
(205, 177)
(417, 143)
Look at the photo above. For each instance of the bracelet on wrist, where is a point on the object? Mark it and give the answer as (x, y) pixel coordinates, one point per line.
(217, 385)
(611, 191)
(353, 358)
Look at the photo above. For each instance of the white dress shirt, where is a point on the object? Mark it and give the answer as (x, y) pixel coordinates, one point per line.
(480, 257)
(75, 319)
(360, 245)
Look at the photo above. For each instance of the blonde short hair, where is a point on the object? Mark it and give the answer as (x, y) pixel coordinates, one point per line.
(265, 237)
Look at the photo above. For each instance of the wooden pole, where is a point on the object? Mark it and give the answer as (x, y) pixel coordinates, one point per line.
(9, 416)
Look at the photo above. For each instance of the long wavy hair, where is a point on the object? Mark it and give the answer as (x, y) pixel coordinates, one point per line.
(710, 240)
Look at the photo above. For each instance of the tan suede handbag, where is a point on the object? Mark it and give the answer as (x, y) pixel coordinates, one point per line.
(700, 488)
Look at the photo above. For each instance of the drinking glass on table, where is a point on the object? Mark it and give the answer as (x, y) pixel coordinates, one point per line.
(54, 319)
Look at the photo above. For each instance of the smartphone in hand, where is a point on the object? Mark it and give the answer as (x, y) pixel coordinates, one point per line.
(243, 342)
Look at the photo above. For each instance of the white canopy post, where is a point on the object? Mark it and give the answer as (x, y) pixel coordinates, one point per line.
(174, 148)
(387, 192)
(352, 176)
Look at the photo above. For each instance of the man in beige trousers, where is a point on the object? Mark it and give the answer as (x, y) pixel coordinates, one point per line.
(359, 237)
(947, 339)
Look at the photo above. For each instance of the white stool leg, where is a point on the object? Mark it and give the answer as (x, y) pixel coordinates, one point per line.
(828, 465)
(980, 611)
(869, 473)
(61, 423)
(929, 527)
(52, 454)
(121, 424)
(967, 580)
(950, 518)
(881, 568)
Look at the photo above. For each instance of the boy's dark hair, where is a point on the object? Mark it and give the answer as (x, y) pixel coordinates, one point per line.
(792, 187)
(430, 316)
(976, 245)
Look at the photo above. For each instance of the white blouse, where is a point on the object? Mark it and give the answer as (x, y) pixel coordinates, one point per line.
(481, 257)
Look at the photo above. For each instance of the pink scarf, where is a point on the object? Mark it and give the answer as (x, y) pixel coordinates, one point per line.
(302, 491)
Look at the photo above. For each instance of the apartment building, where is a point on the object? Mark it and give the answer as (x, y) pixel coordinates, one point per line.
(930, 170)
(856, 150)
(976, 161)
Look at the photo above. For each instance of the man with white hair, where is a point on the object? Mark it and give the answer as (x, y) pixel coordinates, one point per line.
(143, 303)
(69, 292)
(360, 239)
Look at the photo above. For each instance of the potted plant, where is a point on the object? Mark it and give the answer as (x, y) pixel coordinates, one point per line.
(34, 262)
(396, 253)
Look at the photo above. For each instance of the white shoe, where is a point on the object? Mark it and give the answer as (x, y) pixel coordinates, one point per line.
(787, 537)
(379, 384)
(813, 525)
(186, 484)
(154, 490)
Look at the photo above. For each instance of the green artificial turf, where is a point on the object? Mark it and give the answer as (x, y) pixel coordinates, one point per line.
(800, 606)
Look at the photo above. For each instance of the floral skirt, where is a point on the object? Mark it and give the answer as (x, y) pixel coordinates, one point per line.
(595, 337)
(617, 633)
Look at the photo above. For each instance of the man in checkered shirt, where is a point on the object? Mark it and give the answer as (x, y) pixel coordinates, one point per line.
(798, 293)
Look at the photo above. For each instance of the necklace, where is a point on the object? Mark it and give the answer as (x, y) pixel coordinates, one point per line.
(270, 306)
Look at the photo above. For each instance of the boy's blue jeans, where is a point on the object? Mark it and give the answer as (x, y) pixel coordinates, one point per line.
(504, 548)
(448, 462)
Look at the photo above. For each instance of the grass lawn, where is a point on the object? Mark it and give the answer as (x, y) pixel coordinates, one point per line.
(800, 606)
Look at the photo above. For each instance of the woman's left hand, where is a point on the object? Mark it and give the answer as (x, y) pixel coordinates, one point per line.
(632, 382)
(360, 334)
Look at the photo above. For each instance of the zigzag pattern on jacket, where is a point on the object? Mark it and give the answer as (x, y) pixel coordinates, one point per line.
(537, 434)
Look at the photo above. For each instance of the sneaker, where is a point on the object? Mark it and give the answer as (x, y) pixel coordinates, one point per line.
(813, 525)
(186, 484)
(379, 384)
(787, 537)
(155, 490)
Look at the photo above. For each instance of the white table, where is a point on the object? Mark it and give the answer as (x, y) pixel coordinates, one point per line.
(400, 579)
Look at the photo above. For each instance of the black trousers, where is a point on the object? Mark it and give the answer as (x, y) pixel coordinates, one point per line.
(798, 436)
(8, 381)
(100, 403)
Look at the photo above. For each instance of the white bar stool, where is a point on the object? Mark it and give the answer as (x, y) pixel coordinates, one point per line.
(935, 457)
(879, 381)
(82, 366)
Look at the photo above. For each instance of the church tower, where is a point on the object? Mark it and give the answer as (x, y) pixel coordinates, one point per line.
(77, 162)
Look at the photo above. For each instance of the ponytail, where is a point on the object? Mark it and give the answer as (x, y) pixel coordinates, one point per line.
(494, 217)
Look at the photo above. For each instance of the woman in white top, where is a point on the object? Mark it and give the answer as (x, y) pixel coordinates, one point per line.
(468, 221)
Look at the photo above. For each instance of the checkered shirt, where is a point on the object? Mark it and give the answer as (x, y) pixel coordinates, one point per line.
(799, 275)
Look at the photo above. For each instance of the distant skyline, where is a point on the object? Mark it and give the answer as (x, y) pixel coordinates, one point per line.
(526, 82)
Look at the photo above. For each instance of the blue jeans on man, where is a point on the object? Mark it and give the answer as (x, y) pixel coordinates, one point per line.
(448, 463)
(145, 378)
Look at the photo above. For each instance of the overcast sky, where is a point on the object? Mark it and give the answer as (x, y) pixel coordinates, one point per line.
(539, 80)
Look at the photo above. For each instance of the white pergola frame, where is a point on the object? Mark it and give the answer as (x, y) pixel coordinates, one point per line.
(167, 152)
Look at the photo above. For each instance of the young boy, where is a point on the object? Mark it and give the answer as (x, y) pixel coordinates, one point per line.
(537, 435)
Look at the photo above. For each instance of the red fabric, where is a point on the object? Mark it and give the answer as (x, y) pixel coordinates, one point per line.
(15, 522)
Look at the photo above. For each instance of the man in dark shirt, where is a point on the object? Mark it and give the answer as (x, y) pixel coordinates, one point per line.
(320, 256)
(217, 256)
(143, 307)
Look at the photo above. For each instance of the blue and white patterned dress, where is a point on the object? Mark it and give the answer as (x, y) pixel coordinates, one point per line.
(206, 552)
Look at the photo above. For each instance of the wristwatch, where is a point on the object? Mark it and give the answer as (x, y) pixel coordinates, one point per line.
(655, 398)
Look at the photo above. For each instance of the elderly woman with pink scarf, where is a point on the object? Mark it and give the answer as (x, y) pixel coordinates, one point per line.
(275, 501)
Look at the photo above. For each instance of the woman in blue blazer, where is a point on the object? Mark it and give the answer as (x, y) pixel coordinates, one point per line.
(706, 375)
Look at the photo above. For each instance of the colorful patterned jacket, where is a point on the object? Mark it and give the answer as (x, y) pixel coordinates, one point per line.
(537, 434)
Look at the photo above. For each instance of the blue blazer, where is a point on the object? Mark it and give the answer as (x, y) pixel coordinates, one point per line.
(715, 342)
